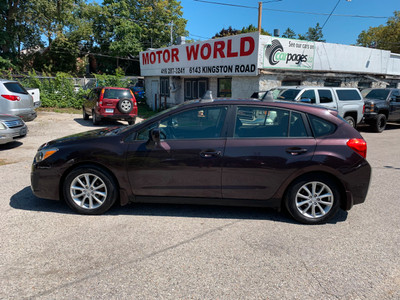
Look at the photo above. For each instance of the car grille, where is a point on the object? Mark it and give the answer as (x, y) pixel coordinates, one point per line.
(14, 123)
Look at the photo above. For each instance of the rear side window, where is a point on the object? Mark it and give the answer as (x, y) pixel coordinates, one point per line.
(348, 95)
(321, 127)
(117, 94)
(15, 87)
(325, 96)
(297, 127)
(261, 122)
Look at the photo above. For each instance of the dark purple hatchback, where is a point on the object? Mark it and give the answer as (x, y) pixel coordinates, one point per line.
(230, 152)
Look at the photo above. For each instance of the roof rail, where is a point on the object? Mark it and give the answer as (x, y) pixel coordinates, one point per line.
(207, 97)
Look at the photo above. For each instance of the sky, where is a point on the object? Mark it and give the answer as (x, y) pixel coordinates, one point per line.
(207, 19)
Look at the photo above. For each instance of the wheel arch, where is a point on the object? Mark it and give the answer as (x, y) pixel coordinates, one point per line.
(121, 194)
(345, 202)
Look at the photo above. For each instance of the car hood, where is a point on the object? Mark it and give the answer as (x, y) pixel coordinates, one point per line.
(85, 136)
(8, 118)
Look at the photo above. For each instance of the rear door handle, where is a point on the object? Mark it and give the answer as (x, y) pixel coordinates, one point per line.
(210, 154)
(296, 150)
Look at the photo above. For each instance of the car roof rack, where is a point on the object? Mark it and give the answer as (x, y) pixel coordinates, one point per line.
(207, 97)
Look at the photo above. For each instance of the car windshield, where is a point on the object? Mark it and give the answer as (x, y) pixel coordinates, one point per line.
(285, 94)
(15, 87)
(377, 94)
(116, 94)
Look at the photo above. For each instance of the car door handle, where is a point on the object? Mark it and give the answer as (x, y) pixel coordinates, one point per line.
(210, 154)
(296, 150)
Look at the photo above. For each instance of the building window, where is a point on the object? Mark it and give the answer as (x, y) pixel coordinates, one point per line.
(333, 82)
(291, 82)
(195, 88)
(364, 84)
(164, 86)
(224, 87)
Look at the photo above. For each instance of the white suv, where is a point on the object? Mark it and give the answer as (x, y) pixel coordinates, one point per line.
(15, 100)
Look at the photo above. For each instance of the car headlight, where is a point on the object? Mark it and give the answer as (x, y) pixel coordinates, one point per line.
(41, 155)
(2, 126)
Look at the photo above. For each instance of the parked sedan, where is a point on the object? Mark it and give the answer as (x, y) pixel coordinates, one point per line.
(231, 152)
(11, 128)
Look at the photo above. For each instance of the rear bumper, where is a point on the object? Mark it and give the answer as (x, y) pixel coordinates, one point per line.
(357, 185)
(30, 116)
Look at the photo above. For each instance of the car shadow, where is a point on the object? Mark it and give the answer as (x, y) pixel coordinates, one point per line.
(25, 200)
(367, 128)
(10, 145)
(104, 123)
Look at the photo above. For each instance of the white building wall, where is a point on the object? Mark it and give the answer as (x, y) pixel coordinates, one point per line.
(244, 87)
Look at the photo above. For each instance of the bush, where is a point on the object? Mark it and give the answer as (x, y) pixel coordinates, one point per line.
(56, 92)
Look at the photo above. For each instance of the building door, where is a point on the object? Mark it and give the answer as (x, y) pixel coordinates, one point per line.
(195, 88)
(154, 95)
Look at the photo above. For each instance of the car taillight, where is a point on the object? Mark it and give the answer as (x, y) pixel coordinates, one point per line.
(359, 146)
(11, 97)
(363, 108)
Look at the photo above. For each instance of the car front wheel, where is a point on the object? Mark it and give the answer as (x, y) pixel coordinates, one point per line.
(84, 114)
(379, 124)
(89, 190)
(313, 200)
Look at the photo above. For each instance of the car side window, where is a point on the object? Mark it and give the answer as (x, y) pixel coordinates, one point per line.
(310, 94)
(321, 127)
(261, 122)
(198, 123)
(325, 96)
(348, 95)
(297, 126)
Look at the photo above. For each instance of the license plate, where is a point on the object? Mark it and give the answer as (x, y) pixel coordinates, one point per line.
(109, 110)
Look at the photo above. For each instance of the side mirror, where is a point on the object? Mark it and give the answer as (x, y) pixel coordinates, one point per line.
(305, 100)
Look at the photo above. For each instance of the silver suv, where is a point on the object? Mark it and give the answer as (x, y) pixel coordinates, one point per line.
(15, 100)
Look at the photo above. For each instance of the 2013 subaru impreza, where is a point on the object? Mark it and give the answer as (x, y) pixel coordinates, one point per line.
(299, 157)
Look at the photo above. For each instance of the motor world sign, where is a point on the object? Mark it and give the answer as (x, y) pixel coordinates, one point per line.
(281, 53)
(235, 55)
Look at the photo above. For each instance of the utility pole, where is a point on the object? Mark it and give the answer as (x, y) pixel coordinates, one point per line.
(259, 16)
(172, 24)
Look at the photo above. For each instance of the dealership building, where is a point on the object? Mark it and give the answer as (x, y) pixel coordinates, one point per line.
(236, 66)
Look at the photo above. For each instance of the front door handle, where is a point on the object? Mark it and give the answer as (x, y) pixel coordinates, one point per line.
(210, 154)
(296, 150)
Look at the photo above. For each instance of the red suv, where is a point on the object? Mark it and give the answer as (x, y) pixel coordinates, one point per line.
(110, 103)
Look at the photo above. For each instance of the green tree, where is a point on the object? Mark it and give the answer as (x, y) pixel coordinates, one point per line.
(289, 33)
(231, 31)
(383, 37)
(252, 28)
(313, 34)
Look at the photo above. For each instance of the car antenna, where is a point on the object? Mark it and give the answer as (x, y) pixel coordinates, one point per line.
(207, 97)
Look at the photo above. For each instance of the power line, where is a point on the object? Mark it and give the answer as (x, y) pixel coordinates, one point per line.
(293, 11)
(330, 14)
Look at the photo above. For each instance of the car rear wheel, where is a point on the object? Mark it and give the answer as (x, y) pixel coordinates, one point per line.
(125, 106)
(380, 123)
(313, 200)
(84, 114)
(89, 190)
(95, 118)
(350, 120)
(132, 121)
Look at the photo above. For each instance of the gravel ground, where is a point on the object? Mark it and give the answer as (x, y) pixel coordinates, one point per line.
(151, 251)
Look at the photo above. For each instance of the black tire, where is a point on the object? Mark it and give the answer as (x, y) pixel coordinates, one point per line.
(84, 114)
(89, 190)
(125, 105)
(313, 209)
(350, 120)
(95, 118)
(379, 123)
(132, 121)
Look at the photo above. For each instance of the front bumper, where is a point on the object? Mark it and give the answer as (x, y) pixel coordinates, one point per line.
(12, 134)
